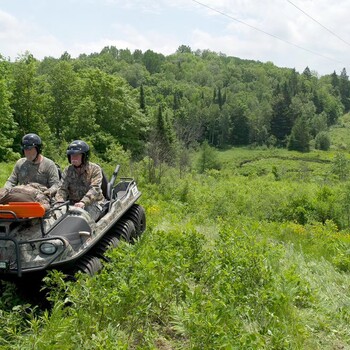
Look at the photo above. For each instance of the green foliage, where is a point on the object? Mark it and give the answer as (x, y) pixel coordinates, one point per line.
(5, 171)
(113, 110)
(30, 98)
(7, 123)
(300, 138)
(341, 166)
(323, 141)
(162, 145)
(231, 258)
(207, 158)
(205, 96)
(64, 88)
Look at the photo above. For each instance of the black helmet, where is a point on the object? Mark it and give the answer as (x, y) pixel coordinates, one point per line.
(79, 147)
(31, 140)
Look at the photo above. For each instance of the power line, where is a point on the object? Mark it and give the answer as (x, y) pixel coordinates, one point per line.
(328, 30)
(266, 33)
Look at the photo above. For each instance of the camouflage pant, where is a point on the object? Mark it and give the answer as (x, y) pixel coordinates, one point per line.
(94, 210)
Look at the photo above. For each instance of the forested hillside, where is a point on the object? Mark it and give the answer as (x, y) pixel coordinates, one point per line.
(159, 106)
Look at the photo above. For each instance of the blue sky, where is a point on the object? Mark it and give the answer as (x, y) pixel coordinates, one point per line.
(294, 34)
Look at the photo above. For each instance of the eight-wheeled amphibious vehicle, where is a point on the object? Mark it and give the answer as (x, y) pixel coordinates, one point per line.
(65, 237)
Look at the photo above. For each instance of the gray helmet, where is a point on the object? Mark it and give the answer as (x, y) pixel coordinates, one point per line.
(79, 147)
(31, 140)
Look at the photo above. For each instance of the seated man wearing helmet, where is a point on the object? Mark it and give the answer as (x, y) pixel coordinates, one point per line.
(34, 168)
(82, 180)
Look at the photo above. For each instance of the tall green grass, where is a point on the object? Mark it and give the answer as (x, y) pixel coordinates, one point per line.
(252, 256)
(250, 287)
(5, 171)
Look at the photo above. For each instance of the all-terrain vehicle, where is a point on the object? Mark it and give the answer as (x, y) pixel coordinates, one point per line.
(65, 237)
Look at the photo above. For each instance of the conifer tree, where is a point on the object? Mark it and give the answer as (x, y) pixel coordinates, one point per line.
(281, 125)
(300, 136)
(344, 90)
(142, 99)
(335, 83)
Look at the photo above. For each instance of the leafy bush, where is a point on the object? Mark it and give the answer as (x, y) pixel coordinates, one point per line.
(207, 158)
(323, 141)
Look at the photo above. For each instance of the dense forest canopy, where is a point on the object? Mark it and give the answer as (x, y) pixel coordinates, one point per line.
(158, 106)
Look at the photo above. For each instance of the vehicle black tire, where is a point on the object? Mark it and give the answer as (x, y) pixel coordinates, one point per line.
(138, 216)
(125, 229)
(107, 242)
(89, 264)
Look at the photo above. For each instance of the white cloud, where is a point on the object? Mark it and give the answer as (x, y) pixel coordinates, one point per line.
(20, 36)
(164, 25)
(10, 27)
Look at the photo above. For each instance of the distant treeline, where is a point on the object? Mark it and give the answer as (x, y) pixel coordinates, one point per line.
(159, 106)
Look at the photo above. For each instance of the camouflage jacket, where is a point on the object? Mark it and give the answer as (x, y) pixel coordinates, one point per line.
(81, 185)
(44, 173)
(32, 192)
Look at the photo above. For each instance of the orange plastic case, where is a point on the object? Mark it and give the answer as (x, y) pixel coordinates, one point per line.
(22, 210)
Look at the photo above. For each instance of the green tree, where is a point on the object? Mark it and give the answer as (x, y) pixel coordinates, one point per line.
(65, 92)
(300, 137)
(301, 105)
(307, 73)
(184, 49)
(188, 125)
(164, 138)
(26, 100)
(82, 122)
(335, 83)
(240, 119)
(318, 124)
(260, 124)
(207, 158)
(142, 99)
(7, 123)
(211, 118)
(117, 109)
(344, 90)
(138, 56)
(135, 74)
(333, 109)
(341, 166)
(323, 141)
(281, 124)
(153, 61)
(161, 147)
(125, 55)
(204, 95)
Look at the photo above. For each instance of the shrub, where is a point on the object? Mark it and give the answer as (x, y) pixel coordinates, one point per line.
(207, 159)
(323, 141)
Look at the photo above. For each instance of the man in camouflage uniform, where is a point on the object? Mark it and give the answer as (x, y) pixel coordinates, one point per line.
(34, 168)
(82, 180)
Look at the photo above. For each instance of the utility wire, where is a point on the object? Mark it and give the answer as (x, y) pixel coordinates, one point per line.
(328, 30)
(262, 31)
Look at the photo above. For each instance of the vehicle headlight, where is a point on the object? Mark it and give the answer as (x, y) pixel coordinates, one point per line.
(48, 248)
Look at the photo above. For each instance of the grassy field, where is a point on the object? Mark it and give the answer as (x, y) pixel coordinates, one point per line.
(245, 257)
(255, 255)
